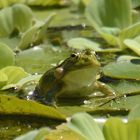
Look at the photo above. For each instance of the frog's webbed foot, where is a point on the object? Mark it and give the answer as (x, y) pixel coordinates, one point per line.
(43, 100)
(107, 91)
(52, 103)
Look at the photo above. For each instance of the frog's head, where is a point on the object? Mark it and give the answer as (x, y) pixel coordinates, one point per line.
(80, 60)
(82, 66)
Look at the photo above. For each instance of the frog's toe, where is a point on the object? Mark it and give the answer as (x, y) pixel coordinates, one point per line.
(53, 103)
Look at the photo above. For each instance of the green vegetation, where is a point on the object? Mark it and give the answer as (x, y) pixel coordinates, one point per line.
(37, 35)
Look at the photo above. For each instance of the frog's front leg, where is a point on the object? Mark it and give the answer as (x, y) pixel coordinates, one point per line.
(105, 89)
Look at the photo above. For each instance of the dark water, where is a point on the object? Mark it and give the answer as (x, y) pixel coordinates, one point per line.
(12, 126)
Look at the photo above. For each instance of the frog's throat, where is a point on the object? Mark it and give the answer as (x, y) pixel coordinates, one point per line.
(83, 76)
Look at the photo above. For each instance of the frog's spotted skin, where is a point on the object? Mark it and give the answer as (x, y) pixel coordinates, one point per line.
(76, 77)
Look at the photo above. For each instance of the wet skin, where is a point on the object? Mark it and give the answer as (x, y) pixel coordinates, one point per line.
(75, 77)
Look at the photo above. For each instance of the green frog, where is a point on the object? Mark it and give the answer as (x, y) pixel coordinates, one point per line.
(75, 77)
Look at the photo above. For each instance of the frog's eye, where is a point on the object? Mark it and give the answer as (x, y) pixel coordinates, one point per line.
(74, 55)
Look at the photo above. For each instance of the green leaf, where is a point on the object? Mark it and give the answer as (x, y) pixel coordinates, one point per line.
(111, 39)
(42, 134)
(133, 129)
(134, 113)
(123, 70)
(115, 129)
(12, 105)
(5, 3)
(34, 134)
(12, 42)
(83, 124)
(130, 32)
(135, 3)
(14, 74)
(23, 17)
(7, 57)
(27, 38)
(28, 136)
(40, 58)
(83, 43)
(6, 22)
(46, 2)
(30, 80)
(101, 13)
(3, 79)
(126, 86)
(133, 44)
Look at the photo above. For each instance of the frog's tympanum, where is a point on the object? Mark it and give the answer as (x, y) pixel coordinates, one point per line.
(75, 77)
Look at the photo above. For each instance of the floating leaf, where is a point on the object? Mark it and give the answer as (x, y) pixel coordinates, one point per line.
(57, 134)
(40, 59)
(102, 13)
(3, 79)
(27, 38)
(135, 3)
(30, 79)
(113, 30)
(130, 32)
(28, 136)
(123, 70)
(35, 34)
(14, 74)
(7, 57)
(6, 22)
(84, 125)
(23, 17)
(116, 129)
(5, 3)
(46, 2)
(82, 43)
(133, 44)
(34, 134)
(126, 86)
(12, 105)
(134, 113)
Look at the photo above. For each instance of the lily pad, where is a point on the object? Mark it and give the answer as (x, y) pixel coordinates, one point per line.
(7, 57)
(123, 69)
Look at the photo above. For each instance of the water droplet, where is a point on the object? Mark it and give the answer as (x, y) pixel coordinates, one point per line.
(87, 102)
(18, 130)
(29, 126)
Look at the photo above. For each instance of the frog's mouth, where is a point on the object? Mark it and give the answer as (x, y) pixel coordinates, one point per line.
(83, 77)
